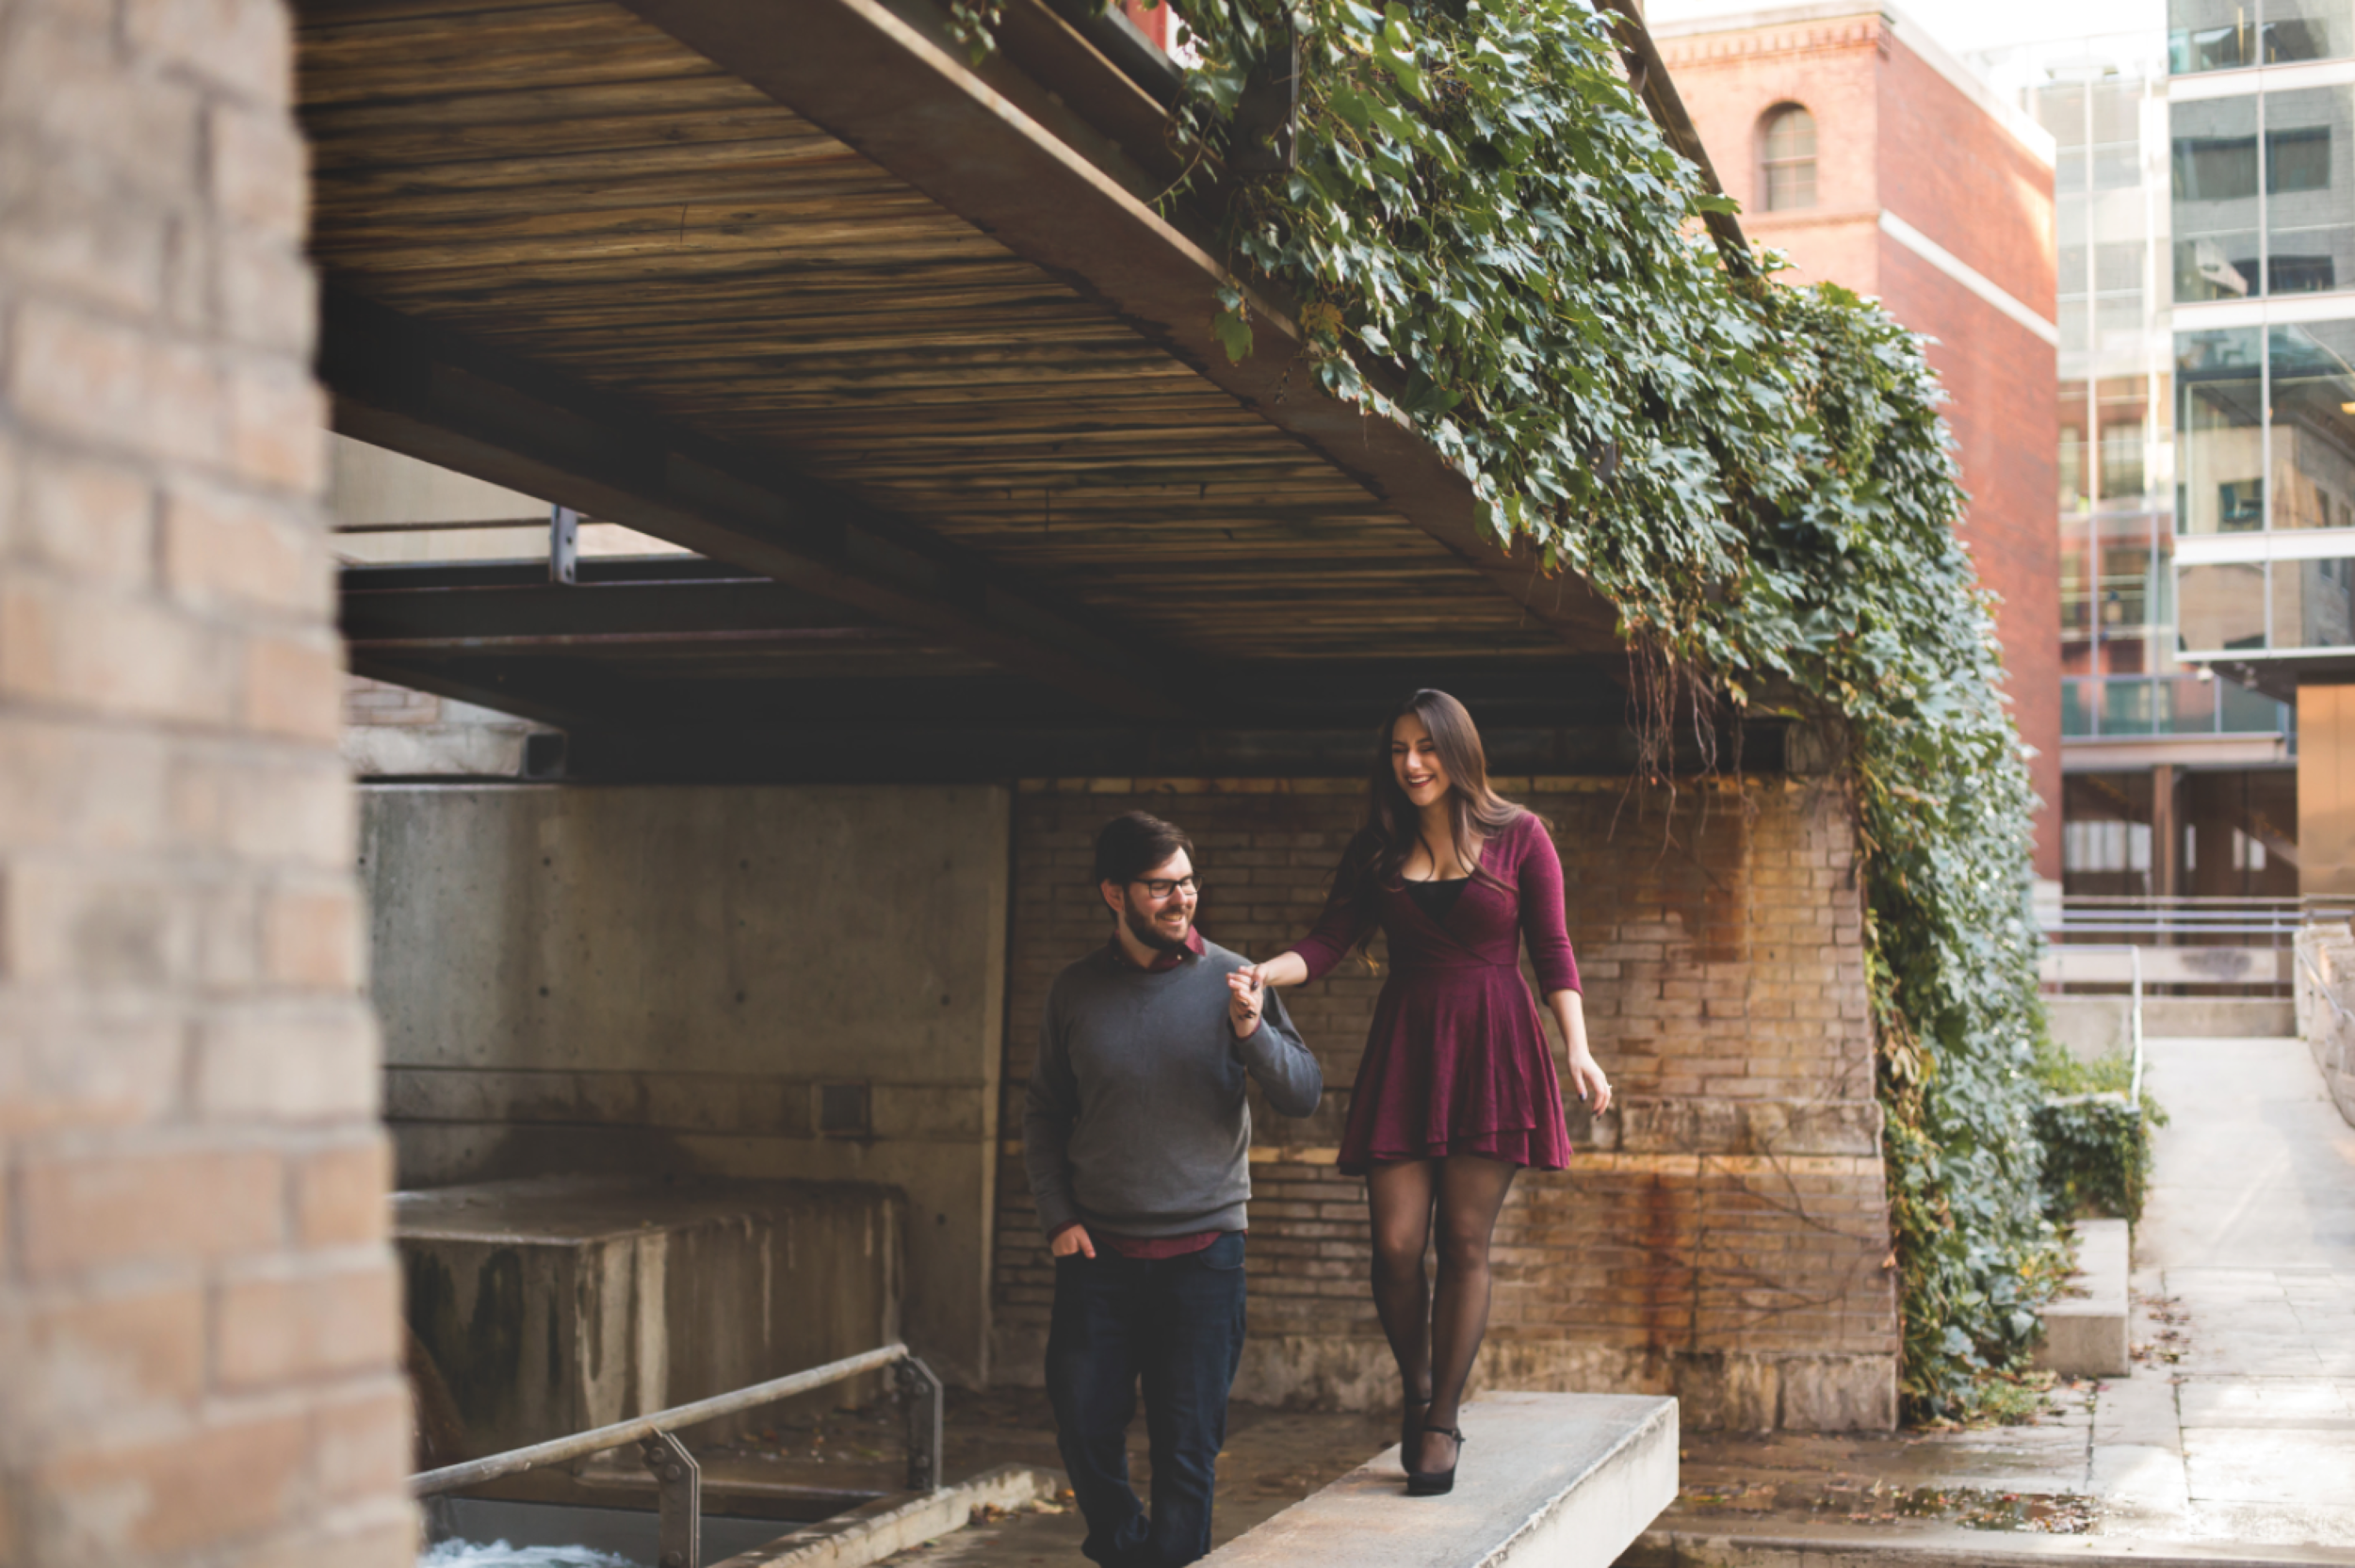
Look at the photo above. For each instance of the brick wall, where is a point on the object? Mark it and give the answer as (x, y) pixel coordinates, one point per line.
(197, 1307)
(1723, 1231)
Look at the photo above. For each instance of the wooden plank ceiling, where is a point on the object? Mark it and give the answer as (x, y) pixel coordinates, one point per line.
(561, 183)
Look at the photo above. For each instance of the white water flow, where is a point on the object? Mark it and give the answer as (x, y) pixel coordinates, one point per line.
(498, 1554)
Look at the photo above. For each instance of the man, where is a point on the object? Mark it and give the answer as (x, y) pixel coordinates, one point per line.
(1138, 1141)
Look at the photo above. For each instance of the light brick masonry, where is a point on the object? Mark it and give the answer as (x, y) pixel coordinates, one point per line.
(1723, 1233)
(199, 1340)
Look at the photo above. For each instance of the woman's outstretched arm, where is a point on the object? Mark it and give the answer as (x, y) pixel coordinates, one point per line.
(1285, 968)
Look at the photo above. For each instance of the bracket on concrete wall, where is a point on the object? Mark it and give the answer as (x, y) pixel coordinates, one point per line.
(679, 1493)
(564, 545)
(921, 1389)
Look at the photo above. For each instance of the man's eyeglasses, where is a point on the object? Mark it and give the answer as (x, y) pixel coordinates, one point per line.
(1162, 887)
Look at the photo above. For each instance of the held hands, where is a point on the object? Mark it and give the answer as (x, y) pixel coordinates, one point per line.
(1587, 1082)
(1073, 1239)
(1246, 995)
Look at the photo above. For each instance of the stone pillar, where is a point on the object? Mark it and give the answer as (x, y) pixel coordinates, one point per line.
(198, 1312)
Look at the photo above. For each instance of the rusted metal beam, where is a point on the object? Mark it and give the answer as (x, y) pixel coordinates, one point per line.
(889, 82)
(417, 389)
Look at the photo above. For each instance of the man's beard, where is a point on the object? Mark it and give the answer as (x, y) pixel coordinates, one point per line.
(1141, 927)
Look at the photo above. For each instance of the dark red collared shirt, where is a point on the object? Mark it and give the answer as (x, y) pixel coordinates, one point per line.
(1147, 1248)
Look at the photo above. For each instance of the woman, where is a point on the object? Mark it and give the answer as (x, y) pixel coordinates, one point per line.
(1457, 1089)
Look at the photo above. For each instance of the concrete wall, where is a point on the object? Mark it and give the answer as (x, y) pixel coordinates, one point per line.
(1721, 1234)
(2326, 1009)
(199, 1328)
(552, 1305)
(650, 980)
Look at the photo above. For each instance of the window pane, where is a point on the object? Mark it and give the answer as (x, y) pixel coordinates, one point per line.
(2215, 177)
(2242, 711)
(2117, 267)
(2219, 450)
(2314, 603)
(2221, 606)
(2118, 112)
(2189, 705)
(1790, 134)
(2116, 165)
(1789, 160)
(2314, 424)
(2060, 109)
(2210, 35)
(2076, 718)
(2309, 214)
(2127, 707)
(2307, 30)
(2076, 474)
(1790, 187)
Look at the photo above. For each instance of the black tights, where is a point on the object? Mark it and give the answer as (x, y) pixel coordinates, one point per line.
(1434, 1333)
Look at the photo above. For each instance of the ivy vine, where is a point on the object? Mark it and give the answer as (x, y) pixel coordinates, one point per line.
(1487, 237)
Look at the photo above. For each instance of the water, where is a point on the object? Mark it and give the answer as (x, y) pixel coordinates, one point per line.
(498, 1554)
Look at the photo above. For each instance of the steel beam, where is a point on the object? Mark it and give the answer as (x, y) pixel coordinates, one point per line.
(895, 87)
(420, 390)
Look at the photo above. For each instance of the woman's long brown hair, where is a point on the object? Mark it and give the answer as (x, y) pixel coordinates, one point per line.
(1393, 826)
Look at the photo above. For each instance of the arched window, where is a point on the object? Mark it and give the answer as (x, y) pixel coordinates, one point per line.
(1790, 163)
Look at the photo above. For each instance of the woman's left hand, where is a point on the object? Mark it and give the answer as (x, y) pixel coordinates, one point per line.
(1591, 1086)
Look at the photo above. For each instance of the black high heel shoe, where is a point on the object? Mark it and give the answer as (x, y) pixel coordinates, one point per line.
(1433, 1484)
(1410, 1427)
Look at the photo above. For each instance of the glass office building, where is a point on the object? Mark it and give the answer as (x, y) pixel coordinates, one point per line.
(2203, 236)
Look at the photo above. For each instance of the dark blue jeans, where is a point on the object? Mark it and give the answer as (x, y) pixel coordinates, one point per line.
(1176, 1323)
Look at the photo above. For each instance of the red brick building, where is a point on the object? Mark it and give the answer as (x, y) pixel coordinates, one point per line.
(1876, 161)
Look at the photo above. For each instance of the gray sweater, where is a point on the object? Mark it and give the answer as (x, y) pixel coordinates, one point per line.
(1136, 1121)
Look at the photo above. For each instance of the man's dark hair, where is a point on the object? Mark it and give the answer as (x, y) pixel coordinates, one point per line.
(1133, 843)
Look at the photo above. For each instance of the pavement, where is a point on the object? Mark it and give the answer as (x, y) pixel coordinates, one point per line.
(2232, 1442)
(2235, 1429)
(2234, 1439)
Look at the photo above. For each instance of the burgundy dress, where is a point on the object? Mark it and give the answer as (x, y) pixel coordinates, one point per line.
(1457, 1062)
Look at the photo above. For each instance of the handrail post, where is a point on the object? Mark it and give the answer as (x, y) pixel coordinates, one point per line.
(921, 1388)
(680, 1496)
(2134, 1092)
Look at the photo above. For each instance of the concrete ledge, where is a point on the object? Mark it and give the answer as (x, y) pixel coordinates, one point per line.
(893, 1523)
(1562, 1481)
(1955, 1548)
(2085, 1335)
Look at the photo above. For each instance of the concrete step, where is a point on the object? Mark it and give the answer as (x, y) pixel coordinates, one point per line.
(1957, 1548)
(887, 1525)
(1552, 1480)
(2085, 1333)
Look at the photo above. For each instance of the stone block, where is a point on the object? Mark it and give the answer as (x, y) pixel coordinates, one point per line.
(115, 385)
(89, 1212)
(134, 1355)
(229, 551)
(65, 1063)
(550, 1307)
(2085, 1331)
(287, 1061)
(341, 1192)
(297, 1320)
(94, 520)
(260, 170)
(1569, 1481)
(228, 1479)
(243, 46)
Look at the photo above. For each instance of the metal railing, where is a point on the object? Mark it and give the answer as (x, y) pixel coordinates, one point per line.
(678, 1480)
(2179, 921)
(2134, 1000)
